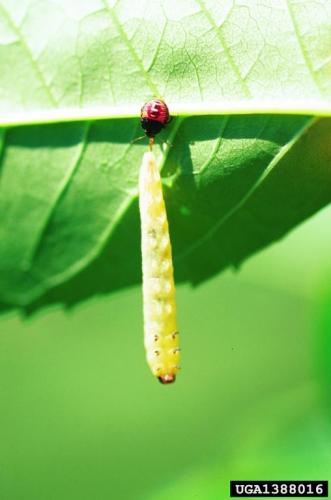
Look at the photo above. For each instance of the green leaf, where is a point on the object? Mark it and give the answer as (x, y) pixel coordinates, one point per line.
(233, 184)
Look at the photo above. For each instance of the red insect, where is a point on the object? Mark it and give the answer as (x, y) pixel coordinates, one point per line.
(154, 117)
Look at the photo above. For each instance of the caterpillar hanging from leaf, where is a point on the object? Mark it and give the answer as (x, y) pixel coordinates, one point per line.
(161, 337)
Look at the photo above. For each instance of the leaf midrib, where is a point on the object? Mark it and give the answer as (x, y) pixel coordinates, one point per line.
(301, 107)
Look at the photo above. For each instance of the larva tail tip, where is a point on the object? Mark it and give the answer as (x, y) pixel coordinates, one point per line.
(169, 378)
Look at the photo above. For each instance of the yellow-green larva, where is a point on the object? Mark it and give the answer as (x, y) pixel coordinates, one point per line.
(161, 335)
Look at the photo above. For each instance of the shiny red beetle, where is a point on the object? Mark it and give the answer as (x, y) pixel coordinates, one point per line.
(154, 117)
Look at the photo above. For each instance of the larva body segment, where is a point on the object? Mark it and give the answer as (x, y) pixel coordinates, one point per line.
(161, 336)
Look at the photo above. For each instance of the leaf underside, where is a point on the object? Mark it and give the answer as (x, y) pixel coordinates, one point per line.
(69, 224)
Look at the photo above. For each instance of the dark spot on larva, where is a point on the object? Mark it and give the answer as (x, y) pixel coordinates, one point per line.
(151, 233)
(178, 349)
(157, 352)
(175, 334)
(169, 378)
(156, 338)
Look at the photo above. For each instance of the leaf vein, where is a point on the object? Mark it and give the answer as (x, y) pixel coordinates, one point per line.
(29, 54)
(59, 196)
(157, 50)
(217, 145)
(130, 47)
(299, 41)
(224, 46)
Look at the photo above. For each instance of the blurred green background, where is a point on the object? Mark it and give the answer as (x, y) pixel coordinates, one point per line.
(82, 418)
